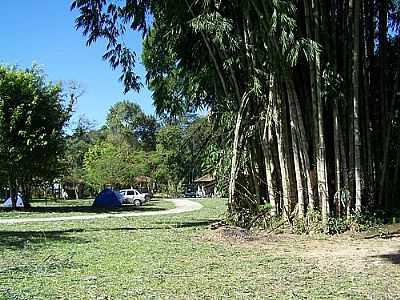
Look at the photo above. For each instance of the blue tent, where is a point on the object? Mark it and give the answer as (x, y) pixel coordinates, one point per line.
(20, 201)
(108, 199)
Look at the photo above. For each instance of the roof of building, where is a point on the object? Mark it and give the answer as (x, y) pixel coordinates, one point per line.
(143, 179)
(205, 179)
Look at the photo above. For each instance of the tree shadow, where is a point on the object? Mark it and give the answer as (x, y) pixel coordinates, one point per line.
(86, 209)
(393, 258)
(10, 239)
(384, 235)
(187, 224)
(157, 226)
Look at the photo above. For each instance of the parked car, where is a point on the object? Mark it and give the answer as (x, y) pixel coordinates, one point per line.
(190, 192)
(133, 196)
(145, 191)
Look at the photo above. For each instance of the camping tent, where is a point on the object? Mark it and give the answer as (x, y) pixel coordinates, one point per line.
(108, 199)
(8, 202)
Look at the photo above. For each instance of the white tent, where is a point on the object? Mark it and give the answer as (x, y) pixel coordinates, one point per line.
(8, 202)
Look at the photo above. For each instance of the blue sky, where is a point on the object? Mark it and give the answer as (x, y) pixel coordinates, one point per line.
(43, 31)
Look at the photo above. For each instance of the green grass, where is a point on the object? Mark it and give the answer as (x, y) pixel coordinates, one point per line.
(178, 257)
(61, 208)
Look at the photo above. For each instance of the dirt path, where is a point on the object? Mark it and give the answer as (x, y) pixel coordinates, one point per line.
(181, 206)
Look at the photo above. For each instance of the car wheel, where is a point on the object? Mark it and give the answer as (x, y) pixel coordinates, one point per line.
(137, 202)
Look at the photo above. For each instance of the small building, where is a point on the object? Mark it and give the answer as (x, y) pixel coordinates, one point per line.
(205, 186)
(144, 183)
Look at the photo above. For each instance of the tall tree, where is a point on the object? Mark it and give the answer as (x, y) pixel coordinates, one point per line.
(33, 114)
(127, 123)
(356, 101)
(77, 145)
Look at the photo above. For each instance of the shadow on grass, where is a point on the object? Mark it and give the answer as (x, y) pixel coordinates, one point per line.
(84, 209)
(386, 236)
(184, 224)
(157, 226)
(15, 238)
(393, 258)
(22, 239)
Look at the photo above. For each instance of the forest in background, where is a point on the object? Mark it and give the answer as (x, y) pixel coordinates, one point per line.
(130, 145)
(44, 154)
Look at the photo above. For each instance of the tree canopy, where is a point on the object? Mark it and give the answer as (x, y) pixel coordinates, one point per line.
(33, 114)
(127, 123)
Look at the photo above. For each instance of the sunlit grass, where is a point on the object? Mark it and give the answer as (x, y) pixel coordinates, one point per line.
(167, 257)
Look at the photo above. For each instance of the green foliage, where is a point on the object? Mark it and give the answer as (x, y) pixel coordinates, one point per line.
(311, 224)
(362, 222)
(82, 138)
(131, 144)
(337, 225)
(109, 164)
(260, 217)
(187, 150)
(114, 19)
(170, 157)
(249, 217)
(115, 154)
(33, 114)
(127, 124)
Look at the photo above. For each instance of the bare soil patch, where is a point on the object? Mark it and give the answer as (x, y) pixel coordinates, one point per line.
(350, 251)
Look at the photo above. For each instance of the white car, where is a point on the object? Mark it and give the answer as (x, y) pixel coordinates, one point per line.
(133, 196)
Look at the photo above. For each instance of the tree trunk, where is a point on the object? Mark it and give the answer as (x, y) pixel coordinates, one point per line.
(386, 144)
(383, 12)
(13, 192)
(368, 60)
(383, 30)
(322, 176)
(76, 191)
(294, 127)
(283, 153)
(395, 185)
(253, 172)
(338, 167)
(349, 110)
(344, 171)
(266, 145)
(318, 120)
(236, 150)
(304, 148)
(269, 167)
(356, 101)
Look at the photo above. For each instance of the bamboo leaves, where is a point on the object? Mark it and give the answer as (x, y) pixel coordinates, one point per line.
(298, 82)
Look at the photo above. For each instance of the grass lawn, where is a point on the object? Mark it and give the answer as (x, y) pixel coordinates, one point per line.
(178, 257)
(60, 208)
